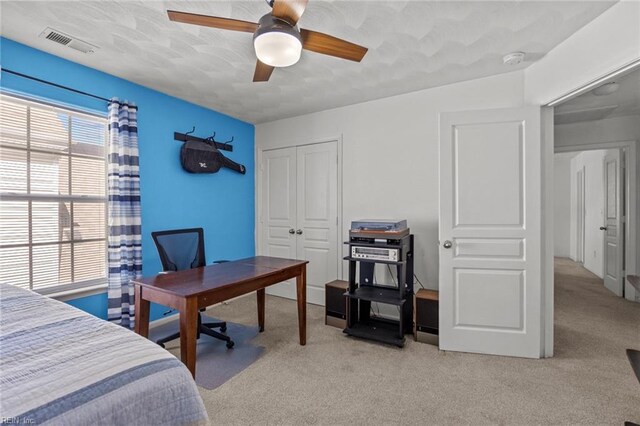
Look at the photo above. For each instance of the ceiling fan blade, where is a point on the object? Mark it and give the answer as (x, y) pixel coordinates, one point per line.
(289, 10)
(333, 46)
(262, 72)
(212, 21)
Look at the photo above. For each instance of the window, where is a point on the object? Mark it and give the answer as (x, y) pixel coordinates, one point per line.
(53, 203)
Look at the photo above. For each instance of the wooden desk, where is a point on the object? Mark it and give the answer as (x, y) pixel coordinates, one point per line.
(191, 290)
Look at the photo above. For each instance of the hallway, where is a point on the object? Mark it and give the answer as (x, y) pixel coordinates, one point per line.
(594, 326)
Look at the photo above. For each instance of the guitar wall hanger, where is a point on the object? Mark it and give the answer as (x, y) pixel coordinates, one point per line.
(186, 137)
(199, 155)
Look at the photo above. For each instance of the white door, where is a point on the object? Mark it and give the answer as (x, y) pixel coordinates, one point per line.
(490, 232)
(317, 224)
(303, 182)
(613, 226)
(279, 203)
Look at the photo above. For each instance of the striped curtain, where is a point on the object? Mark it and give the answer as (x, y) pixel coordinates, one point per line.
(125, 250)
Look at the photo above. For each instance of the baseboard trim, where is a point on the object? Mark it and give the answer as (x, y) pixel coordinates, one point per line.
(163, 320)
(315, 295)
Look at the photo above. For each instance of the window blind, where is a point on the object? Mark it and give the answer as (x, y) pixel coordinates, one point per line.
(53, 203)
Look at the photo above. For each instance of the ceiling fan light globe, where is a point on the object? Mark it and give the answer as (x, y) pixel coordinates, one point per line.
(277, 49)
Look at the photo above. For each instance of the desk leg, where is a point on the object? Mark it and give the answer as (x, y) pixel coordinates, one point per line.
(188, 330)
(141, 312)
(301, 287)
(260, 296)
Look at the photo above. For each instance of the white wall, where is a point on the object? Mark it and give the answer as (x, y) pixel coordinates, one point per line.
(615, 129)
(562, 205)
(390, 153)
(608, 42)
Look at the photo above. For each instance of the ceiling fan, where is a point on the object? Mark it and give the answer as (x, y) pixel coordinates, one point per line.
(277, 40)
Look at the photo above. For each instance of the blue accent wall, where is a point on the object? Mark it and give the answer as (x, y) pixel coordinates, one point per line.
(221, 203)
(97, 305)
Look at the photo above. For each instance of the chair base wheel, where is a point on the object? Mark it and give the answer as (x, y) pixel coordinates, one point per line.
(230, 344)
(223, 329)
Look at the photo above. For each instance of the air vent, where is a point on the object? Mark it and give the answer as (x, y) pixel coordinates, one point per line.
(58, 38)
(68, 40)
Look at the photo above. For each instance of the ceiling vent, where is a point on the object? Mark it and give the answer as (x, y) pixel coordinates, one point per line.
(68, 40)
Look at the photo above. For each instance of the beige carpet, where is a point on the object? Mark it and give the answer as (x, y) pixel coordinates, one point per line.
(340, 380)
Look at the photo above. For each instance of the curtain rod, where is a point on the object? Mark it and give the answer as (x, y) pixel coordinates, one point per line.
(60, 86)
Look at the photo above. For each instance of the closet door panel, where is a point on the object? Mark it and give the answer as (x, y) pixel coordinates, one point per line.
(279, 203)
(317, 212)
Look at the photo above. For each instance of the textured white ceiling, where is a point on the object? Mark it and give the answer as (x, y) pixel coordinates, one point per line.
(412, 45)
(587, 107)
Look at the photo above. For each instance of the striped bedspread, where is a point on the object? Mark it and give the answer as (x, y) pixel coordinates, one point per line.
(62, 366)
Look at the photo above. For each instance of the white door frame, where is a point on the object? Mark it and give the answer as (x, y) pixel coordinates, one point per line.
(580, 180)
(258, 190)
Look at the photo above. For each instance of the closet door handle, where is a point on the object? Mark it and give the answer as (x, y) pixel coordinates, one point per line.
(603, 228)
(299, 232)
(292, 231)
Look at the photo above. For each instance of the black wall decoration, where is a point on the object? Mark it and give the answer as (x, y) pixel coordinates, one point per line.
(200, 155)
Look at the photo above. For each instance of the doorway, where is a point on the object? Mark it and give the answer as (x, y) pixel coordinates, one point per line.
(616, 128)
(590, 212)
(590, 118)
(605, 117)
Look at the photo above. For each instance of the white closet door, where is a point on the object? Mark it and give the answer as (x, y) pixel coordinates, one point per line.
(300, 213)
(613, 226)
(279, 203)
(317, 224)
(490, 232)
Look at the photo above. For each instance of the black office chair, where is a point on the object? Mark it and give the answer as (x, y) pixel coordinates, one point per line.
(182, 249)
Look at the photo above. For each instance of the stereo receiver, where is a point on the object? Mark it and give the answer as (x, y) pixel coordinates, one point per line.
(374, 253)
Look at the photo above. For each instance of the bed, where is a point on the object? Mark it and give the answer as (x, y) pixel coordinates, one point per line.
(60, 365)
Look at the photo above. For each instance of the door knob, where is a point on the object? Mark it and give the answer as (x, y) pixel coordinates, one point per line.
(603, 228)
(447, 244)
(299, 232)
(292, 231)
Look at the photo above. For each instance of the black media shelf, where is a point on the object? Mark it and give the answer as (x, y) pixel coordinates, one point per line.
(378, 330)
(377, 294)
(363, 291)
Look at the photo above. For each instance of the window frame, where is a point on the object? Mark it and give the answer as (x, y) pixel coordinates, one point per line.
(74, 286)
